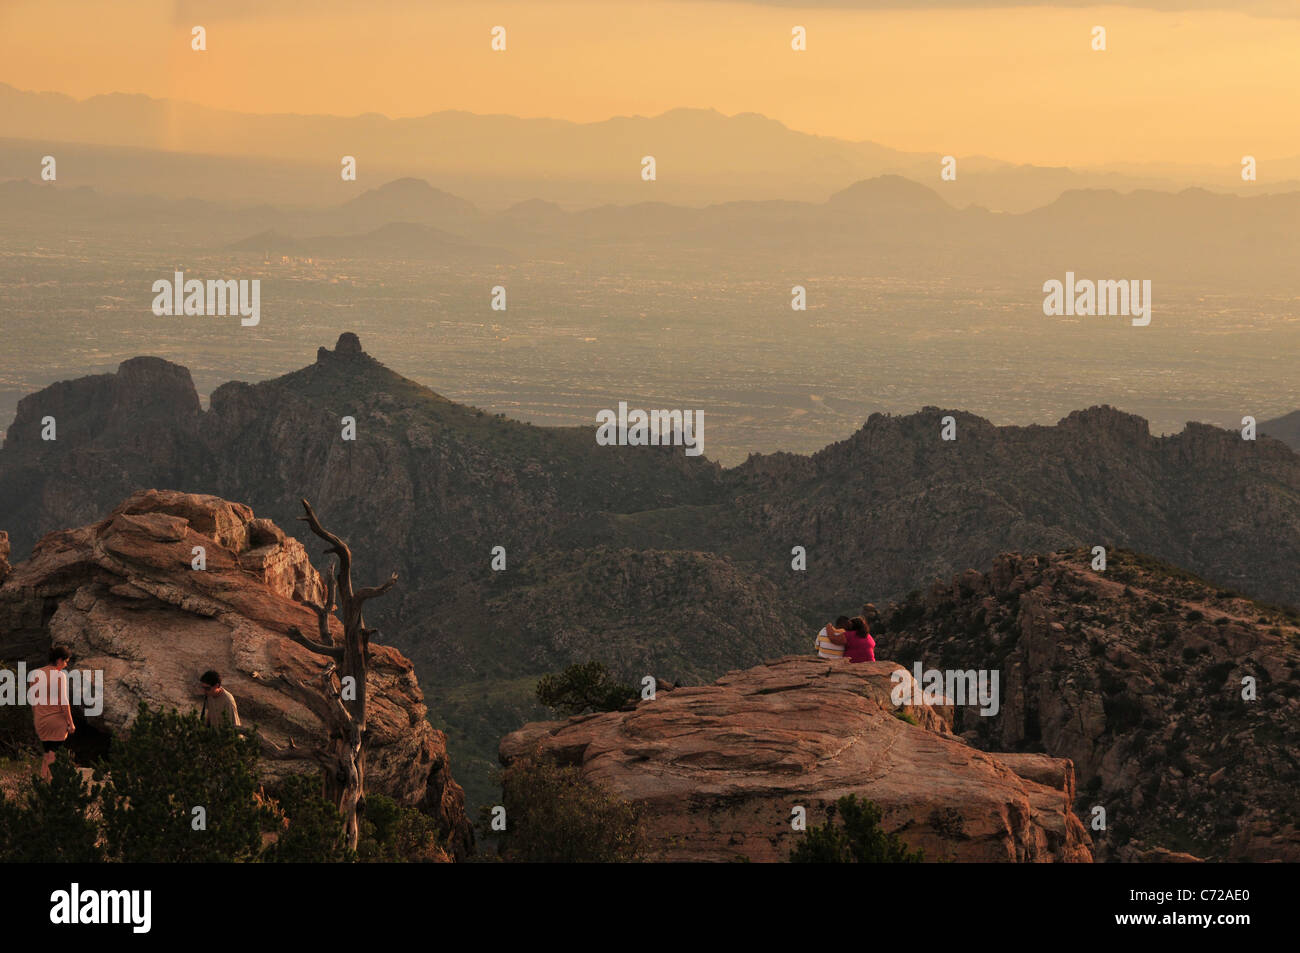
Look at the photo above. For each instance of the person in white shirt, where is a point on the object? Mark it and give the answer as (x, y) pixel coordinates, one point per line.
(830, 640)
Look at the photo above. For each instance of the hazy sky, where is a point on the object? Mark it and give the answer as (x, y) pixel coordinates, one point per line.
(1202, 85)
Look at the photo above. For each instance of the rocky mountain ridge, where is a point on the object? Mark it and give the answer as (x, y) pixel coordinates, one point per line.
(1176, 700)
(431, 488)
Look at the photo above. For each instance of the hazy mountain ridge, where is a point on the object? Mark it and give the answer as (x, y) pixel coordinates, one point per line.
(496, 158)
(887, 224)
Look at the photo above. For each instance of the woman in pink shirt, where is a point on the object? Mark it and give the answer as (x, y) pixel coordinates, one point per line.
(859, 646)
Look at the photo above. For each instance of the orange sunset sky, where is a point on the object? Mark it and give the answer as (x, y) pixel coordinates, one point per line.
(1021, 83)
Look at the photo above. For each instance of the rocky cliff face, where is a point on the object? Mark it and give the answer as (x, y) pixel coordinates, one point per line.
(428, 484)
(423, 476)
(1137, 675)
(112, 435)
(429, 488)
(124, 595)
(717, 769)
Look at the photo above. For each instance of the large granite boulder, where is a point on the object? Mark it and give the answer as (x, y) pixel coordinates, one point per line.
(718, 769)
(125, 596)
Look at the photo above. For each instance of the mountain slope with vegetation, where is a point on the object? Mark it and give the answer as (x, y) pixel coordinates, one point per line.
(1177, 700)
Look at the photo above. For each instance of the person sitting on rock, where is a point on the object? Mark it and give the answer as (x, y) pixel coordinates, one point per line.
(218, 704)
(830, 640)
(53, 710)
(859, 646)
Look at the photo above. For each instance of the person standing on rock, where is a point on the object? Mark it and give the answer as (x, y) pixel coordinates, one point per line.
(830, 640)
(218, 704)
(859, 646)
(52, 709)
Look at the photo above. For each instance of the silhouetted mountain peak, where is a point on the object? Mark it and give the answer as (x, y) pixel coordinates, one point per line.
(346, 349)
(888, 193)
(409, 198)
(405, 186)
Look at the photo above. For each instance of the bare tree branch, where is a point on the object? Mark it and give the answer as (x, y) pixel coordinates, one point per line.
(310, 698)
(343, 757)
(325, 610)
(371, 591)
(329, 651)
(336, 546)
(292, 752)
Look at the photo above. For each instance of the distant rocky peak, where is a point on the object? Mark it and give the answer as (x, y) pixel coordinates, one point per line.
(1105, 419)
(146, 392)
(347, 348)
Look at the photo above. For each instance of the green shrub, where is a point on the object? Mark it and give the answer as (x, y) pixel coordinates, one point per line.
(51, 823)
(1214, 675)
(310, 827)
(167, 766)
(142, 808)
(17, 730)
(859, 840)
(555, 815)
(393, 833)
(583, 688)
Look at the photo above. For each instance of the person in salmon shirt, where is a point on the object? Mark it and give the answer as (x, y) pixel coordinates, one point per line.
(53, 712)
(859, 646)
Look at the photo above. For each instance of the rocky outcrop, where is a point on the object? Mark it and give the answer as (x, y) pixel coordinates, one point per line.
(717, 769)
(173, 584)
(144, 393)
(1177, 701)
(79, 447)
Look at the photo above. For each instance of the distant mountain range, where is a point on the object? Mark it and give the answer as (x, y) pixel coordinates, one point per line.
(888, 224)
(648, 560)
(132, 143)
